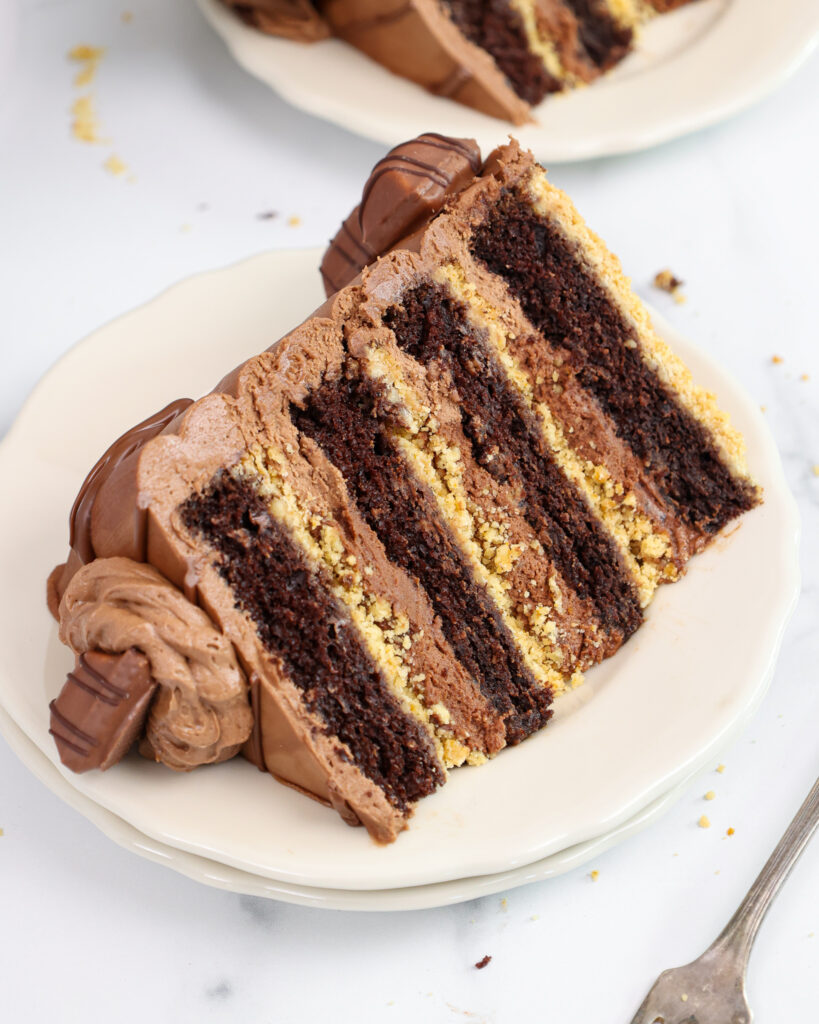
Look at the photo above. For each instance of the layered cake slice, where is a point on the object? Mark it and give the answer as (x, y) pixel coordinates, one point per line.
(381, 549)
(501, 57)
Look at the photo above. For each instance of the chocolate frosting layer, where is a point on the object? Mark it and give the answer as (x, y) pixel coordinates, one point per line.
(297, 20)
(101, 708)
(404, 190)
(201, 714)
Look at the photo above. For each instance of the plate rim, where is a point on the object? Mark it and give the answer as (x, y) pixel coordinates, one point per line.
(217, 875)
(788, 581)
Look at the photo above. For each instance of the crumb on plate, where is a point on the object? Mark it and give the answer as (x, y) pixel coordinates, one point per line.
(484, 960)
(704, 822)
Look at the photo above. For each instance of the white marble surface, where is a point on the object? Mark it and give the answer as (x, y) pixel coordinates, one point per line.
(92, 932)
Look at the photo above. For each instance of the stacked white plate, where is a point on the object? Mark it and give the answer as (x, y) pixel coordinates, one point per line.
(615, 755)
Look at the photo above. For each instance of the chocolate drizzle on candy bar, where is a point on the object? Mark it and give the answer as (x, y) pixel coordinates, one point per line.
(110, 695)
(403, 192)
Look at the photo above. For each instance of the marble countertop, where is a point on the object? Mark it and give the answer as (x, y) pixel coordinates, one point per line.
(93, 932)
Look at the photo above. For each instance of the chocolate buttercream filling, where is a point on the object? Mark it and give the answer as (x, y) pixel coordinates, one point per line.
(344, 417)
(497, 28)
(565, 302)
(302, 625)
(507, 441)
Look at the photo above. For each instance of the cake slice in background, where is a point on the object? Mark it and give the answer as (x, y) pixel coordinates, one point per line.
(381, 549)
(501, 57)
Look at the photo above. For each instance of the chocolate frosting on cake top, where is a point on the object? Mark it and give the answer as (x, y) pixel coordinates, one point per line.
(405, 189)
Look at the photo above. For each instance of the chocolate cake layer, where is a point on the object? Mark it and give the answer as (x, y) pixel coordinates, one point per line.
(565, 302)
(497, 28)
(605, 41)
(507, 441)
(342, 417)
(300, 623)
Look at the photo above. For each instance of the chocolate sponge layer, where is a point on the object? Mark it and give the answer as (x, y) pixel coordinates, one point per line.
(507, 441)
(342, 416)
(567, 305)
(301, 623)
(497, 28)
(605, 41)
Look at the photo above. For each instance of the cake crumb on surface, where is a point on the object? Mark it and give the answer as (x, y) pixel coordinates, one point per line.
(594, 875)
(704, 822)
(684, 997)
(85, 126)
(668, 282)
(730, 831)
(484, 960)
(720, 768)
(710, 795)
(294, 221)
(89, 57)
(127, 17)
(815, 469)
(114, 165)
(776, 360)
(504, 903)
(804, 376)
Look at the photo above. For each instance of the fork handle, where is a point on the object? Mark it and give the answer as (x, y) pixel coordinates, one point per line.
(737, 937)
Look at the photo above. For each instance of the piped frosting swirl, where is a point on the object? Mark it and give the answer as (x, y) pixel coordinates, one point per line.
(201, 713)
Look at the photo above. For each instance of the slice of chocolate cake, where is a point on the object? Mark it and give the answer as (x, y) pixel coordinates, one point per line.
(381, 549)
(501, 57)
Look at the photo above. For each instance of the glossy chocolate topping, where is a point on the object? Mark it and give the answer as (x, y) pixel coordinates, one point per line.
(404, 190)
(130, 442)
(101, 708)
(82, 549)
(292, 19)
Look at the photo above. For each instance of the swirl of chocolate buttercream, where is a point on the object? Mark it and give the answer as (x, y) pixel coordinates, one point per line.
(201, 713)
(404, 191)
(292, 19)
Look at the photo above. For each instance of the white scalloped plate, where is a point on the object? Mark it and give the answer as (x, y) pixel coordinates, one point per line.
(413, 897)
(692, 68)
(643, 722)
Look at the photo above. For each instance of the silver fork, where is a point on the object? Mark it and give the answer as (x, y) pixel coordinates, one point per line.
(711, 990)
